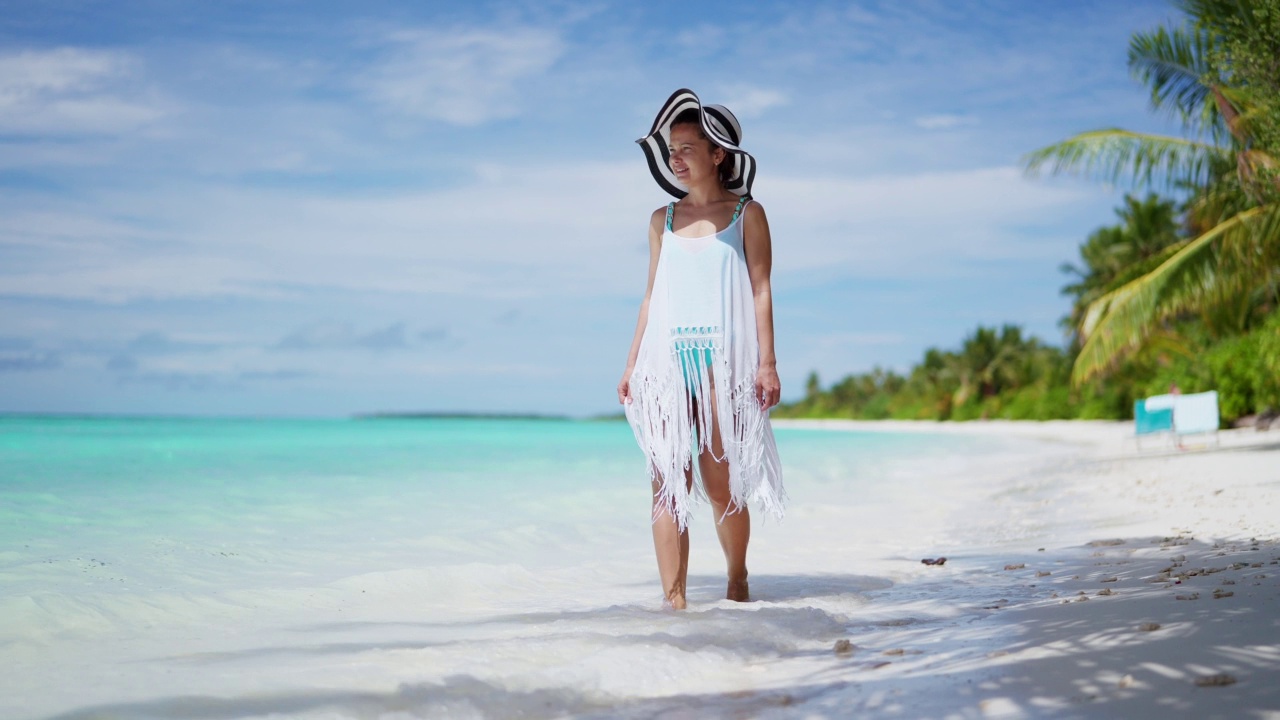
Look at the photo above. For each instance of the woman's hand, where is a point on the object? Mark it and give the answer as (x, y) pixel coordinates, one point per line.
(768, 387)
(624, 387)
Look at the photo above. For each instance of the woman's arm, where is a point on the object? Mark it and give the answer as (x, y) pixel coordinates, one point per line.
(758, 246)
(656, 222)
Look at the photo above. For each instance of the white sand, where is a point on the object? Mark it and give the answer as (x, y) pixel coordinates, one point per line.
(1185, 540)
(1069, 507)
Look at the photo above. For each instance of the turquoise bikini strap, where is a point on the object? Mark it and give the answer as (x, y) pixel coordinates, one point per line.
(671, 209)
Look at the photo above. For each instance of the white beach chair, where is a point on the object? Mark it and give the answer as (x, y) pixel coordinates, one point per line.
(1196, 414)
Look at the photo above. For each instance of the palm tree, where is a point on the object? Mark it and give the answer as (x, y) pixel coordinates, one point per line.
(932, 385)
(990, 362)
(1235, 252)
(1116, 254)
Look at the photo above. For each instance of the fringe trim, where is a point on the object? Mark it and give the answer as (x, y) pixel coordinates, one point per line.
(666, 427)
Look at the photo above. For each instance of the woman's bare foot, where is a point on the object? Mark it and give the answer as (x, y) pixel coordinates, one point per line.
(738, 591)
(675, 597)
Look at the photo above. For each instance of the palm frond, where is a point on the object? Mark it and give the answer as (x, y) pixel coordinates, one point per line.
(1174, 64)
(1142, 267)
(1223, 198)
(1114, 153)
(1120, 321)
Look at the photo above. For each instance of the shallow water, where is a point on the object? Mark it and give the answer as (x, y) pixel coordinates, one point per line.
(491, 564)
(355, 491)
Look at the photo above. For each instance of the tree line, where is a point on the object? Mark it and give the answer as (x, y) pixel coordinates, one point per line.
(1182, 291)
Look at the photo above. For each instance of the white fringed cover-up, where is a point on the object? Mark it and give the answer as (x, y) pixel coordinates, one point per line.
(700, 340)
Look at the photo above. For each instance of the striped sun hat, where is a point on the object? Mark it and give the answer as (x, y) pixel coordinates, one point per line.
(718, 124)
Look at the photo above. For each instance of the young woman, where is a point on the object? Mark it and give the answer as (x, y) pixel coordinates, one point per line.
(701, 375)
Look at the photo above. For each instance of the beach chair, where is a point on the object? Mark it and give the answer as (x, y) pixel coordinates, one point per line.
(1196, 414)
(1152, 416)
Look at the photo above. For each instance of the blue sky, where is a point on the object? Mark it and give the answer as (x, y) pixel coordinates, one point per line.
(322, 208)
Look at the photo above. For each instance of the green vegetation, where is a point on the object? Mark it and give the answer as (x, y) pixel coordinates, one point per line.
(996, 373)
(1179, 292)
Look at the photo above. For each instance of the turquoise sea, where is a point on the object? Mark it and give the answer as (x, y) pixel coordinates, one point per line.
(256, 483)
(148, 559)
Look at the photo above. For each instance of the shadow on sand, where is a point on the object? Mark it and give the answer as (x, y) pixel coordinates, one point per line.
(457, 696)
(776, 628)
(1021, 661)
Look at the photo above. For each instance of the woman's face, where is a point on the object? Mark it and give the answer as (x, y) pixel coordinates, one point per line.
(693, 157)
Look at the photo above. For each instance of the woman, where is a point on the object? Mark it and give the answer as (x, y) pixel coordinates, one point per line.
(701, 374)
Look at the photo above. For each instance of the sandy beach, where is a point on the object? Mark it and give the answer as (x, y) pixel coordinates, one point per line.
(1166, 603)
(1083, 578)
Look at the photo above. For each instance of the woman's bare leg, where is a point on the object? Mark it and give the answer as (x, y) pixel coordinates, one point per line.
(672, 547)
(733, 522)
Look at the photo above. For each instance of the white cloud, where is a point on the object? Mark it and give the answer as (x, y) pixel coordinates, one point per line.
(747, 102)
(462, 77)
(512, 232)
(911, 225)
(72, 90)
(944, 122)
(34, 72)
(705, 39)
(330, 334)
(123, 276)
(515, 232)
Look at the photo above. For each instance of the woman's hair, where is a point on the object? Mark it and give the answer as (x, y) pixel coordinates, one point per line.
(693, 116)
